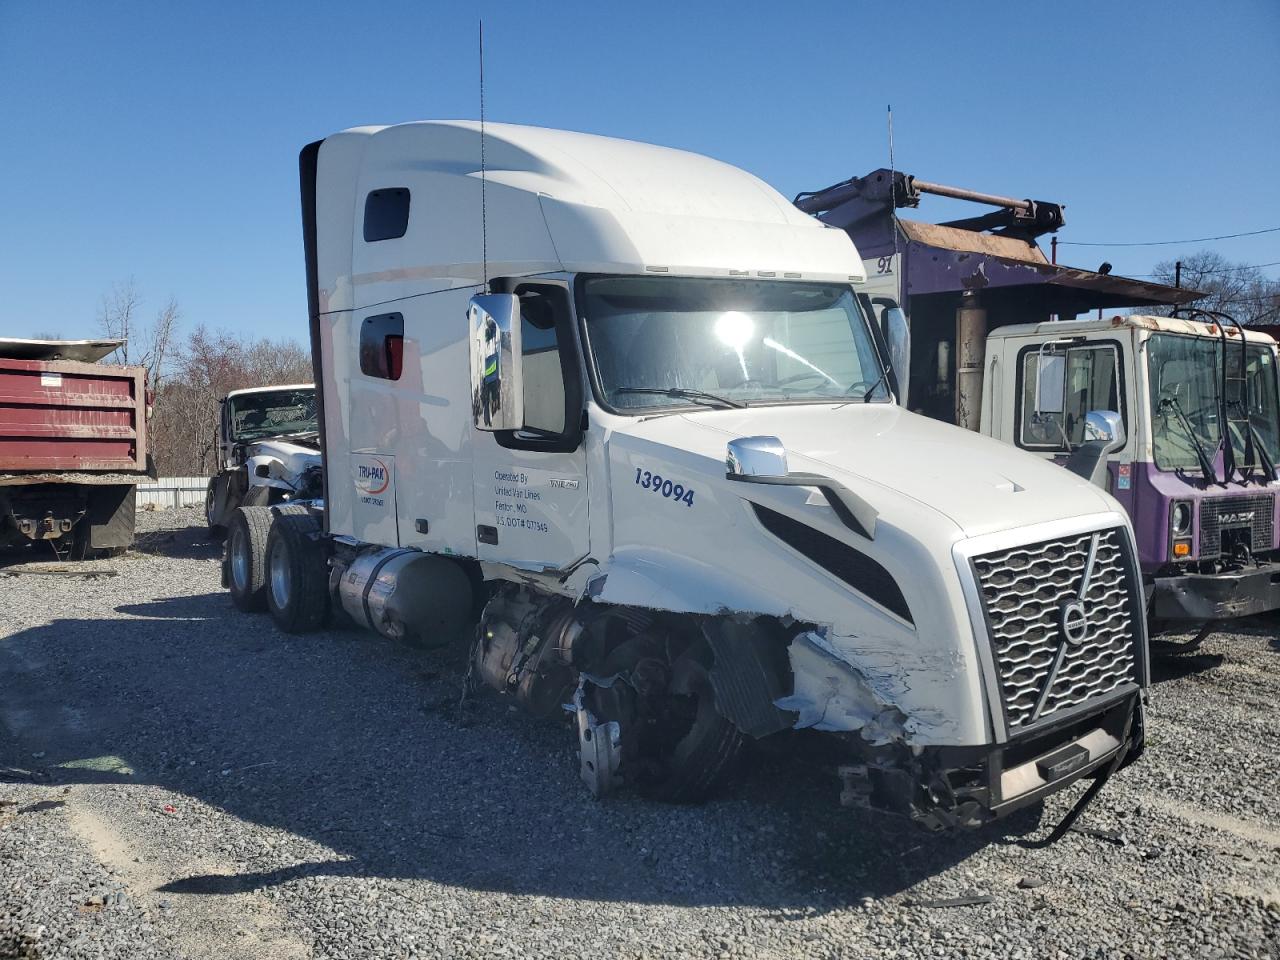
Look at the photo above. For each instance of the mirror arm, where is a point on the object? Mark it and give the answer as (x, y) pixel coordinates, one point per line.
(854, 512)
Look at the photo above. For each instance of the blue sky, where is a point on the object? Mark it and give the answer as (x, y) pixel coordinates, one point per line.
(160, 140)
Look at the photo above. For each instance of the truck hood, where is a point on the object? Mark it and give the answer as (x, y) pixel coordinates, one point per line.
(284, 459)
(885, 453)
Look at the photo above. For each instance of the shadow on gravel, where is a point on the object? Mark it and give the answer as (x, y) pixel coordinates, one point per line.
(355, 744)
(1174, 666)
(191, 542)
(14, 555)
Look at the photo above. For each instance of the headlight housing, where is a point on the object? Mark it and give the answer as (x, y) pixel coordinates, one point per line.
(1181, 513)
(1180, 518)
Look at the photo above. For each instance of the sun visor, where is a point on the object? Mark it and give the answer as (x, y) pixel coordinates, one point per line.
(595, 240)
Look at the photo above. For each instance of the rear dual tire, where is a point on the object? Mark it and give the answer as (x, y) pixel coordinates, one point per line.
(297, 587)
(246, 557)
(254, 534)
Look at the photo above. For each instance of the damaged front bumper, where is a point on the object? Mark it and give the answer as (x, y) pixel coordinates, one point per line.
(964, 787)
(1216, 596)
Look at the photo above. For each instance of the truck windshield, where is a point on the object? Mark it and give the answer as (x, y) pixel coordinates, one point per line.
(676, 341)
(1185, 377)
(274, 414)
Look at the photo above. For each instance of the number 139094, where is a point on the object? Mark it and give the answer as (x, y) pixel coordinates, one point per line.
(665, 487)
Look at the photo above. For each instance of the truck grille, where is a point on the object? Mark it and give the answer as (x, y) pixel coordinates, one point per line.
(1255, 514)
(1047, 662)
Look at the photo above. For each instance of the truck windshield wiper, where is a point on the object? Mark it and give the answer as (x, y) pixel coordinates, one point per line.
(1267, 463)
(1206, 465)
(684, 393)
(866, 397)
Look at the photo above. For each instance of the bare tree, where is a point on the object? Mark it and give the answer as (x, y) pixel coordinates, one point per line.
(189, 375)
(118, 315)
(149, 344)
(1238, 289)
(206, 366)
(47, 335)
(159, 338)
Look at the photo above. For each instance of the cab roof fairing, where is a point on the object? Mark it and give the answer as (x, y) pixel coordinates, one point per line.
(555, 201)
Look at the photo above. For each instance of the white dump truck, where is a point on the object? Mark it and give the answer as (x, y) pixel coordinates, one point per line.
(621, 405)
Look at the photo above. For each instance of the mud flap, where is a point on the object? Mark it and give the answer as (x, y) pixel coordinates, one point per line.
(111, 517)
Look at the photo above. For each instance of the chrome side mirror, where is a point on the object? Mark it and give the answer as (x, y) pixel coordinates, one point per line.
(1104, 425)
(898, 338)
(1103, 436)
(756, 457)
(497, 385)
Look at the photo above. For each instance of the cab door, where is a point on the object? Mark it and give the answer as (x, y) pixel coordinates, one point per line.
(530, 484)
(1057, 382)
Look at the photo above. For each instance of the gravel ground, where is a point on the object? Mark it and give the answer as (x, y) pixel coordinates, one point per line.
(201, 785)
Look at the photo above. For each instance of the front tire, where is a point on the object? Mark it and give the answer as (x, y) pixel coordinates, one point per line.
(677, 748)
(297, 578)
(246, 557)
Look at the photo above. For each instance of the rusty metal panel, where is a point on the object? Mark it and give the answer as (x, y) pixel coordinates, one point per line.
(967, 241)
(59, 415)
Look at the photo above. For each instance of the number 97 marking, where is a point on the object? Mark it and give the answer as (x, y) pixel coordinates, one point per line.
(664, 487)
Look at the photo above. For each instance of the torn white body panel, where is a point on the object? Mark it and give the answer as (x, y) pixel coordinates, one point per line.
(279, 464)
(830, 695)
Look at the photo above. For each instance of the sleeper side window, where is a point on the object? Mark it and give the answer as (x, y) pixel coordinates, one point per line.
(1076, 380)
(386, 214)
(382, 346)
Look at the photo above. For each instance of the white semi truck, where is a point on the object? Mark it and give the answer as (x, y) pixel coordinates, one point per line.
(268, 451)
(621, 405)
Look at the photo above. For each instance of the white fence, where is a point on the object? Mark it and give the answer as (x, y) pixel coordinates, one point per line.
(169, 493)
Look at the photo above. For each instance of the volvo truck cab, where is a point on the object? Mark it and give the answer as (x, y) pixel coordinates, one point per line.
(627, 401)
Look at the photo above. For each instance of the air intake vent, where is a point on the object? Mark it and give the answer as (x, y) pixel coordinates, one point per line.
(839, 559)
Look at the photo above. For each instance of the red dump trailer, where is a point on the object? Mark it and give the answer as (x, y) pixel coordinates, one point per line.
(73, 446)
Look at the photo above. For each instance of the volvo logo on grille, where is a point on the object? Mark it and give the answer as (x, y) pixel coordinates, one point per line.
(1073, 623)
(1236, 517)
(1073, 619)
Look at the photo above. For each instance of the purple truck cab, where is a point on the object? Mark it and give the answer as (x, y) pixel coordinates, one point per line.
(995, 346)
(1203, 508)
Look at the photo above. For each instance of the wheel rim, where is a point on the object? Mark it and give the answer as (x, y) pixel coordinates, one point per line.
(208, 507)
(651, 748)
(239, 560)
(281, 575)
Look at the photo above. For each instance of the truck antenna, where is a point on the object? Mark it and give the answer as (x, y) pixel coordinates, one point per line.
(484, 231)
(893, 210)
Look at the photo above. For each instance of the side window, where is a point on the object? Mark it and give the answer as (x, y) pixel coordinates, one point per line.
(1076, 381)
(544, 379)
(386, 214)
(382, 346)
